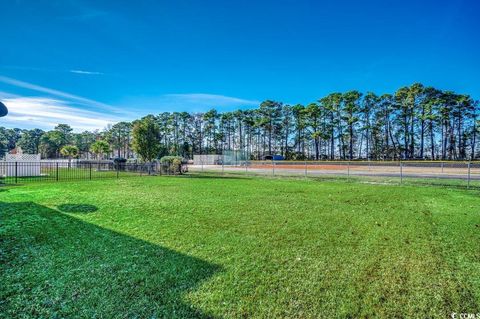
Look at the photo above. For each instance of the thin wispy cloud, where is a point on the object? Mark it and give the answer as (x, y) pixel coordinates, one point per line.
(192, 102)
(211, 99)
(46, 113)
(29, 68)
(26, 68)
(61, 94)
(86, 72)
(55, 106)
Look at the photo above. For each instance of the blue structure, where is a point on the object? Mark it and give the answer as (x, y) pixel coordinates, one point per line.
(273, 158)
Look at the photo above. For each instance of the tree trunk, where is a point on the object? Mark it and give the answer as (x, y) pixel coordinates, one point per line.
(432, 142)
(270, 129)
(351, 141)
(367, 145)
(412, 135)
(405, 136)
(332, 139)
(474, 137)
(422, 133)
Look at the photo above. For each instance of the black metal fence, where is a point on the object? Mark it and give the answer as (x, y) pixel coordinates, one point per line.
(20, 172)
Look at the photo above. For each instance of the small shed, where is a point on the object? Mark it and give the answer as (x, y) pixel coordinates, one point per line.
(21, 165)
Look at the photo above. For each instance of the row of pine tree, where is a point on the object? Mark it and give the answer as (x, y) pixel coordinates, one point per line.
(415, 122)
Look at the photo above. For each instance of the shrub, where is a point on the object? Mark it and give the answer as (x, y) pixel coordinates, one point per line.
(171, 164)
(119, 160)
(120, 163)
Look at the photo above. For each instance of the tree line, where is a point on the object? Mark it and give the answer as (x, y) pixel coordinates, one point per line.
(415, 122)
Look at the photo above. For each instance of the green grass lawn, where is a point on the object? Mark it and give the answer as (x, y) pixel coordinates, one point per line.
(237, 247)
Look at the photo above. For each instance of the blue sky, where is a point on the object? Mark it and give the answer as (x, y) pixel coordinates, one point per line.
(90, 63)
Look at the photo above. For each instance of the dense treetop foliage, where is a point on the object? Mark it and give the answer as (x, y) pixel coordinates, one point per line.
(415, 122)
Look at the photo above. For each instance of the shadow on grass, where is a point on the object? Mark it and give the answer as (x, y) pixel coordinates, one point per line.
(55, 265)
(77, 208)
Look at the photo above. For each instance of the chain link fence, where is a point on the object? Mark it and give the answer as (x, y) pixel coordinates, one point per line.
(448, 173)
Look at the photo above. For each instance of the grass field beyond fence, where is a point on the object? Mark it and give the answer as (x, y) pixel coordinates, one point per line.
(203, 246)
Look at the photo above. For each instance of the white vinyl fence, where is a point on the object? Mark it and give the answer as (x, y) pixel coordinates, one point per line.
(23, 165)
(207, 159)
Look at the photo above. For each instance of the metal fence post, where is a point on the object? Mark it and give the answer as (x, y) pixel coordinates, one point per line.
(223, 166)
(468, 179)
(3, 178)
(401, 172)
(118, 169)
(442, 167)
(273, 168)
(16, 172)
(56, 170)
(348, 168)
(90, 171)
(305, 168)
